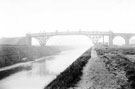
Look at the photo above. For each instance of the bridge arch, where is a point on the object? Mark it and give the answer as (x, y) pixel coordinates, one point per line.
(119, 40)
(132, 40)
(69, 40)
(34, 42)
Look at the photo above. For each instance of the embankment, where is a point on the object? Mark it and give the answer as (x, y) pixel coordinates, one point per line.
(11, 71)
(112, 68)
(72, 75)
(119, 62)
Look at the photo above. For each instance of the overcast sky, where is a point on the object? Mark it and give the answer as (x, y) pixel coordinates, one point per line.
(18, 17)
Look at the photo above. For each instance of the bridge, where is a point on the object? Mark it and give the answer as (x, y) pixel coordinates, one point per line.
(95, 36)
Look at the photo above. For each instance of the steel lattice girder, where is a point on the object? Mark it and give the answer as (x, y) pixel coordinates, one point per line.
(42, 40)
(95, 38)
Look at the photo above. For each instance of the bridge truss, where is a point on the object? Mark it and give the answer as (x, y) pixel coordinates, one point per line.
(95, 36)
(43, 37)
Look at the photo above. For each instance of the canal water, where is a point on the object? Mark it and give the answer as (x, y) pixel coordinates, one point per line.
(43, 71)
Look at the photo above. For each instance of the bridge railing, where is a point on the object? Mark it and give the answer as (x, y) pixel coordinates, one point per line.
(69, 33)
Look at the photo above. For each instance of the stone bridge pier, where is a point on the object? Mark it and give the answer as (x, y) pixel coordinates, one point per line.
(127, 38)
(28, 40)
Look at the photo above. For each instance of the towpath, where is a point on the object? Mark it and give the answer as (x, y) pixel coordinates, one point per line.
(88, 73)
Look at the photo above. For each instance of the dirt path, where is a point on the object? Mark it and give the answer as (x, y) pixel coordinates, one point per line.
(95, 75)
(85, 79)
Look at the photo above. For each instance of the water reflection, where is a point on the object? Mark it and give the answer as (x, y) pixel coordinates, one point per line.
(43, 71)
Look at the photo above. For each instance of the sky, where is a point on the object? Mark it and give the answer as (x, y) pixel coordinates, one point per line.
(18, 17)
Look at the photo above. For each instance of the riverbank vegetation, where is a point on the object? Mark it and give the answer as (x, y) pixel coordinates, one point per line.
(120, 64)
(12, 54)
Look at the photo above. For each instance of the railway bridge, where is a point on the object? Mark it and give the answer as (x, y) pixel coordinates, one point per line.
(95, 36)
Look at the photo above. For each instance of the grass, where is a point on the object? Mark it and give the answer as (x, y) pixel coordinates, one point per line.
(117, 63)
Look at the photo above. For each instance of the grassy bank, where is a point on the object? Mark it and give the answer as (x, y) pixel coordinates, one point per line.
(70, 77)
(120, 64)
(12, 54)
(6, 73)
(114, 68)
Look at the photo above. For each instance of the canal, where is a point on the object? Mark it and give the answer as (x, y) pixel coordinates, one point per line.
(43, 71)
